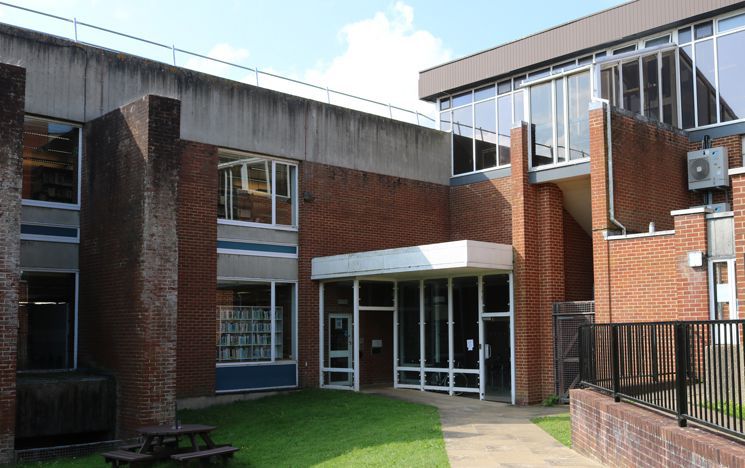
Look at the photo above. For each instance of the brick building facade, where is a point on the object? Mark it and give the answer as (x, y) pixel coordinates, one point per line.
(224, 238)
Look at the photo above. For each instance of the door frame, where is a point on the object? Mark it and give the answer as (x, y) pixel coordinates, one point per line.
(350, 348)
(722, 337)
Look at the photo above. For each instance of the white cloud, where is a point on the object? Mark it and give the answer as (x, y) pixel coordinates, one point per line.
(224, 52)
(382, 60)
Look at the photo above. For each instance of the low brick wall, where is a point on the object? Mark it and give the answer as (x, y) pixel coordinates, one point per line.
(623, 434)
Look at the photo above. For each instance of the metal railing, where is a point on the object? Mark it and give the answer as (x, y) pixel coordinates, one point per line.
(693, 370)
(275, 82)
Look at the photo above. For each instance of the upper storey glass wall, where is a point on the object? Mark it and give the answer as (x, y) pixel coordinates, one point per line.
(689, 77)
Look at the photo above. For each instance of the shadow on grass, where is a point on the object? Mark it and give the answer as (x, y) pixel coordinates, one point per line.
(320, 428)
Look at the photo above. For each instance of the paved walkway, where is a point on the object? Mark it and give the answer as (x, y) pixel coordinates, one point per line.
(483, 433)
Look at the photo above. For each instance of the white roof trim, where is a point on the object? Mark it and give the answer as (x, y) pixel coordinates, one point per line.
(462, 255)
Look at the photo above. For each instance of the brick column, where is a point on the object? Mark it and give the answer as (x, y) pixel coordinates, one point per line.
(600, 213)
(693, 285)
(12, 101)
(538, 243)
(129, 256)
(197, 270)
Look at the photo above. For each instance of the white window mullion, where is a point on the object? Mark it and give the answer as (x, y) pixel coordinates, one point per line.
(640, 67)
(567, 155)
(421, 335)
(695, 83)
(273, 318)
(554, 146)
(395, 335)
(678, 86)
(482, 345)
(273, 190)
(715, 42)
(660, 105)
(451, 344)
(473, 129)
(356, 333)
(620, 85)
(321, 341)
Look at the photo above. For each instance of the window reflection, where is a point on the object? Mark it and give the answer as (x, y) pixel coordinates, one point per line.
(631, 91)
(579, 117)
(542, 124)
(705, 89)
(485, 134)
(561, 143)
(731, 71)
(50, 161)
(462, 140)
(687, 103)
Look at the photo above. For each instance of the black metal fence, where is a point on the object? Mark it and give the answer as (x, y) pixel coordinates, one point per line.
(693, 370)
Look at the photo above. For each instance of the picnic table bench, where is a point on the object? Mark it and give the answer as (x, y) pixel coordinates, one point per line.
(162, 442)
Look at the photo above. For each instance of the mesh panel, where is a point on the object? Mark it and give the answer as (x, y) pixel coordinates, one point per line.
(568, 317)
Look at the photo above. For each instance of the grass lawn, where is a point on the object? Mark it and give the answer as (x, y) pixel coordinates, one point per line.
(729, 408)
(318, 428)
(559, 426)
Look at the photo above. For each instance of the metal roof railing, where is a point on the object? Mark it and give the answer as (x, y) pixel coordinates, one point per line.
(299, 88)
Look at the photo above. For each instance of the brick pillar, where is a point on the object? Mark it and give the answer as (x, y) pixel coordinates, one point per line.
(693, 285)
(197, 270)
(551, 276)
(538, 243)
(737, 177)
(129, 256)
(600, 213)
(12, 101)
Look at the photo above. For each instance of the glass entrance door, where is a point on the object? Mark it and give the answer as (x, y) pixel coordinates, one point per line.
(497, 359)
(340, 347)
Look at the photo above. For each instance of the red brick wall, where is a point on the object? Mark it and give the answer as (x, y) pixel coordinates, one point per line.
(622, 434)
(578, 278)
(482, 211)
(354, 211)
(651, 279)
(12, 101)
(537, 215)
(650, 172)
(197, 270)
(129, 256)
(644, 278)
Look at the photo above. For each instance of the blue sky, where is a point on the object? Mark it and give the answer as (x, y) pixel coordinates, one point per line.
(368, 48)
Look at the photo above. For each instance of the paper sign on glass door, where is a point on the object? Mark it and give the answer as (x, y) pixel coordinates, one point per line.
(469, 345)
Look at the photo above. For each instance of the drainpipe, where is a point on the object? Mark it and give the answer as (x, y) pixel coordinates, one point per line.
(609, 145)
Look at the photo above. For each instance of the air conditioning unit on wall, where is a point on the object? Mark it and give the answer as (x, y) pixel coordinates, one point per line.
(707, 169)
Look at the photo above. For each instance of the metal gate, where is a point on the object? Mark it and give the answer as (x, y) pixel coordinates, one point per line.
(568, 317)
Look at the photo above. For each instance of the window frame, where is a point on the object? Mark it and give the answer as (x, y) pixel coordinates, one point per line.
(76, 322)
(273, 192)
(59, 205)
(515, 89)
(553, 79)
(294, 326)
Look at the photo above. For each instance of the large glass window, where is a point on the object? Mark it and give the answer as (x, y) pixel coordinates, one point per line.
(51, 155)
(46, 328)
(559, 116)
(480, 122)
(249, 329)
(579, 118)
(436, 323)
(256, 190)
(706, 92)
(542, 124)
(338, 333)
(408, 327)
(731, 59)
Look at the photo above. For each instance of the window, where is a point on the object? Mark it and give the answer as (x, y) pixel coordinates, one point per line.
(480, 121)
(559, 120)
(51, 159)
(250, 330)
(254, 189)
(47, 325)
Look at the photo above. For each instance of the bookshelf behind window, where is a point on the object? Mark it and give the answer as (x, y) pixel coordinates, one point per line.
(245, 333)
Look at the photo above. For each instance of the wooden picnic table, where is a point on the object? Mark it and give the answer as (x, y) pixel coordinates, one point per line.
(161, 442)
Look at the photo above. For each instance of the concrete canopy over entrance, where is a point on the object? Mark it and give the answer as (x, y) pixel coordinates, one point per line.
(439, 315)
(446, 258)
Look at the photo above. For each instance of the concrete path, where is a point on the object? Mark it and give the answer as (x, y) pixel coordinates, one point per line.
(482, 433)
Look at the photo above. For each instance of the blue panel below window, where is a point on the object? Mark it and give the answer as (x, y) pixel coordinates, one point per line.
(256, 247)
(49, 230)
(255, 377)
